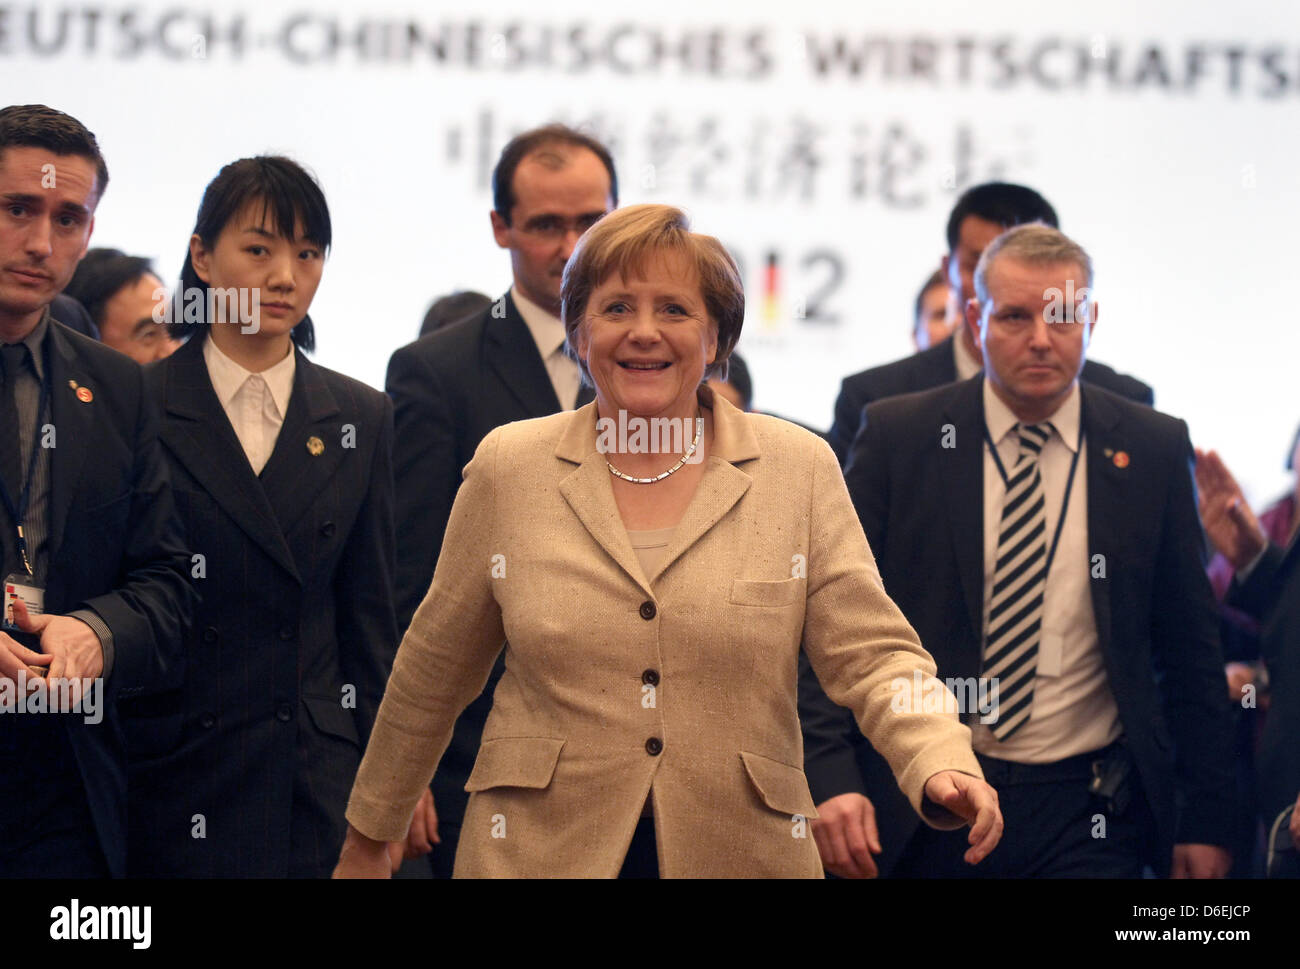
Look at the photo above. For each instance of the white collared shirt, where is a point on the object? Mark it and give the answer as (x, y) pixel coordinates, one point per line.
(255, 402)
(968, 365)
(548, 334)
(1074, 710)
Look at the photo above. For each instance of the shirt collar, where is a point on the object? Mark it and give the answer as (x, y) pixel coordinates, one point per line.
(228, 376)
(999, 419)
(547, 330)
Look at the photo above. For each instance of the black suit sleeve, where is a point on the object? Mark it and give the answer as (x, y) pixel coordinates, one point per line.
(829, 732)
(1185, 639)
(426, 473)
(367, 626)
(829, 761)
(866, 473)
(848, 407)
(1258, 593)
(149, 609)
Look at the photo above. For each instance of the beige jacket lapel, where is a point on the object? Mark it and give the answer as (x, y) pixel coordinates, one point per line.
(590, 494)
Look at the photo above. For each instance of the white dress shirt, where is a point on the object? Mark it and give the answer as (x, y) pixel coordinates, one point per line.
(1073, 709)
(255, 402)
(968, 365)
(548, 334)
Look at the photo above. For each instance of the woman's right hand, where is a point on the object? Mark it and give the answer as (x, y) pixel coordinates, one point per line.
(363, 857)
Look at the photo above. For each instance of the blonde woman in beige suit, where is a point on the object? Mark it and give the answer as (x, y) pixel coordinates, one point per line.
(652, 562)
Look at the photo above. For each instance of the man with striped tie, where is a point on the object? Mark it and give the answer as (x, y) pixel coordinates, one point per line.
(1042, 537)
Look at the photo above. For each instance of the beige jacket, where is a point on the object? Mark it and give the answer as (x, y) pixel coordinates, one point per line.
(683, 687)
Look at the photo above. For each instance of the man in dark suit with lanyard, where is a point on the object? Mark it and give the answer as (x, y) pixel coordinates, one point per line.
(1041, 535)
(504, 364)
(981, 214)
(96, 574)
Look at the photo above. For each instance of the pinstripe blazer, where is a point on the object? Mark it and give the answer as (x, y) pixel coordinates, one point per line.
(293, 639)
(769, 554)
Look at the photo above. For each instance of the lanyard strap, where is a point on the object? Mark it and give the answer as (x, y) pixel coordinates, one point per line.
(18, 512)
(1069, 485)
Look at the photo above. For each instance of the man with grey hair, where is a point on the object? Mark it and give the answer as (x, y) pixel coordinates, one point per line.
(980, 215)
(1041, 535)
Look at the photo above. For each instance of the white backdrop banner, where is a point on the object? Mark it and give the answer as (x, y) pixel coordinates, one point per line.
(824, 143)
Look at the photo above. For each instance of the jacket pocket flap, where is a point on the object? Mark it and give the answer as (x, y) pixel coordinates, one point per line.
(330, 717)
(762, 592)
(515, 762)
(782, 787)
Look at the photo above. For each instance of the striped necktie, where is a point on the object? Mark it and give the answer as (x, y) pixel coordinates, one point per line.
(1019, 580)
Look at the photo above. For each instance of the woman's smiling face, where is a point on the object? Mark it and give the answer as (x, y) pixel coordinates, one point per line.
(647, 340)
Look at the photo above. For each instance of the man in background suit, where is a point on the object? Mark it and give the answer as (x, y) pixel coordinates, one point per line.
(1267, 586)
(1041, 536)
(504, 364)
(126, 300)
(981, 214)
(99, 531)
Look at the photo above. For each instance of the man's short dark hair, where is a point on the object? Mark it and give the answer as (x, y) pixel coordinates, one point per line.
(1001, 202)
(101, 275)
(529, 142)
(453, 308)
(38, 126)
(738, 376)
(936, 278)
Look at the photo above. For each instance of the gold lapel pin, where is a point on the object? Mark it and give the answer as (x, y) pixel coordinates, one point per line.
(84, 395)
(1108, 451)
(315, 446)
(72, 384)
(1121, 459)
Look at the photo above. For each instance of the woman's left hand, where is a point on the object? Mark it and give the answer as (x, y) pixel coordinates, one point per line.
(976, 802)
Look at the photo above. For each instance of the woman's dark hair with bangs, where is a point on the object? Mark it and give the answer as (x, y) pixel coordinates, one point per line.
(289, 195)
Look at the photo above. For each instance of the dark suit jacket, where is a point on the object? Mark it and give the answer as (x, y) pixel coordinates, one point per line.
(1272, 594)
(115, 546)
(922, 509)
(934, 368)
(449, 389)
(292, 643)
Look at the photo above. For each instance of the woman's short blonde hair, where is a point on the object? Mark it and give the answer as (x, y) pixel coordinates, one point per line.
(624, 243)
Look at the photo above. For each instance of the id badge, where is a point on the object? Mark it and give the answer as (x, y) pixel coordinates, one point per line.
(22, 587)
